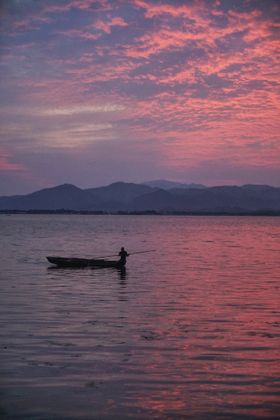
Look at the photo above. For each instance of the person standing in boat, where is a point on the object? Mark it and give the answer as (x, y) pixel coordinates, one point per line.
(123, 254)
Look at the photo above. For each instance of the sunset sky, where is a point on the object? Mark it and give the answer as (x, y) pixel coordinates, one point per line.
(97, 91)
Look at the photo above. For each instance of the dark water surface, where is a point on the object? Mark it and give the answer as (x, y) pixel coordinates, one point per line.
(191, 330)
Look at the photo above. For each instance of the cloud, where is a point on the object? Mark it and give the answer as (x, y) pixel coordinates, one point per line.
(106, 26)
(185, 82)
(7, 164)
(83, 109)
(62, 7)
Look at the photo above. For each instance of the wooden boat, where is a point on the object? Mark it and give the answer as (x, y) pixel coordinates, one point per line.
(84, 262)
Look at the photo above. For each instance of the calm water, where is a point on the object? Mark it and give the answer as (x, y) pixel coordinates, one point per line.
(191, 330)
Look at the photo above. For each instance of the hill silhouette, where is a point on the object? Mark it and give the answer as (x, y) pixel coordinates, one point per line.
(130, 197)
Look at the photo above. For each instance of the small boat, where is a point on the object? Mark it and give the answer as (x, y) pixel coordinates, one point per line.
(84, 262)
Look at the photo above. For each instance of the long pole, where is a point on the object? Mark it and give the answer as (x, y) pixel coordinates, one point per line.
(141, 252)
(130, 253)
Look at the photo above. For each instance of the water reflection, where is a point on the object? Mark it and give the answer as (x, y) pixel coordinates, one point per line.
(189, 331)
(122, 276)
(123, 294)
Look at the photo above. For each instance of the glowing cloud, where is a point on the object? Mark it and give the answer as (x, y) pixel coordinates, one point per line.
(177, 87)
(83, 109)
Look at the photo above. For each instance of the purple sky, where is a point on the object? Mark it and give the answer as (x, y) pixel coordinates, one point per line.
(97, 91)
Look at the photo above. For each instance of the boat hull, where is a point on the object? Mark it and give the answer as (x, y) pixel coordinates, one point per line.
(83, 262)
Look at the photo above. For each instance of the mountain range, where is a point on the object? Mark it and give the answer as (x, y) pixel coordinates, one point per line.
(159, 196)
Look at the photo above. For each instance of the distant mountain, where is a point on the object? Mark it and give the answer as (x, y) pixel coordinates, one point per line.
(118, 195)
(64, 196)
(168, 185)
(121, 196)
(215, 199)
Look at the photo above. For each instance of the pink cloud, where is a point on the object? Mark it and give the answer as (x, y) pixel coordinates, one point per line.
(92, 32)
(6, 164)
(33, 20)
(77, 4)
(202, 28)
(186, 10)
(79, 33)
(106, 26)
(161, 40)
(206, 105)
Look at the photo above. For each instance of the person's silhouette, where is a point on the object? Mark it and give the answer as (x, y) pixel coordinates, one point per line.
(123, 255)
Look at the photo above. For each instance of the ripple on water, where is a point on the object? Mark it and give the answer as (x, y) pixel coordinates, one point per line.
(189, 331)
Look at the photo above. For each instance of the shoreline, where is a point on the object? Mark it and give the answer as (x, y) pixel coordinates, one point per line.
(274, 213)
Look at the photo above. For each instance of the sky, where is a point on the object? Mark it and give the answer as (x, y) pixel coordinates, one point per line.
(98, 91)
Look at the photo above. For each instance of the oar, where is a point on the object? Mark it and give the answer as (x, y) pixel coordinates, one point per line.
(130, 253)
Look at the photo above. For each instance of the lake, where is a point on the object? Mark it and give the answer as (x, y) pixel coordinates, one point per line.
(191, 330)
